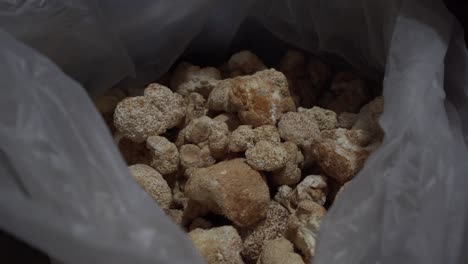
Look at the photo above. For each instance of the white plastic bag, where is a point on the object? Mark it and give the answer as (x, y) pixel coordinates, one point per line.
(64, 186)
(407, 205)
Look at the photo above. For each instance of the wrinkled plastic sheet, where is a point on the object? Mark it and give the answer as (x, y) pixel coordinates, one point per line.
(59, 165)
(64, 186)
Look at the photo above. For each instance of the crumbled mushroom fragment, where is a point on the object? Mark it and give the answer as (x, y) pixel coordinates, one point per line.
(299, 128)
(153, 183)
(231, 188)
(165, 154)
(279, 251)
(341, 153)
(290, 174)
(267, 156)
(259, 99)
(189, 78)
(241, 139)
(267, 133)
(220, 245)
(137, 118)
(195, 107)
(171, 105)
(303, 227)
(231, 120)
(325, 119)
(192, 156)
(274, 226)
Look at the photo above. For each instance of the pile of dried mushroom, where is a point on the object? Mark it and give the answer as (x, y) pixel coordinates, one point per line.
(243, 157)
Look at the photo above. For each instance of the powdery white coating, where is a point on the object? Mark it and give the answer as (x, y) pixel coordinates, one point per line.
(279, 251)
(244, 63)
(192, 156)
(231, 120)
(259, 99)
(368, 118)
(171, 105)
(241, 139)
(165, 154)
(303, 227)
(350, 91)
(290, 174)
(347, 120)
(195, 107)
(267, 133)
(267, 156)
(341, 153)
(312, 187)
(189, 78)
(325, 119)
(231, 188)
(298, 127)
(202, 82)
(220, 245)
(137, 118)
(153, 183)
(274, 226)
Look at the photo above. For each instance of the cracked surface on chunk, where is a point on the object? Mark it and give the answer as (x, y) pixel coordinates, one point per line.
(341, 153)
(259, 99)
(231, 188)
(267, 156)
(220, 245)
(153, 183)
(165, 154)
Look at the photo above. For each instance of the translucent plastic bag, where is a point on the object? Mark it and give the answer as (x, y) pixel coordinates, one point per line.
(405, 206)
(64, 186)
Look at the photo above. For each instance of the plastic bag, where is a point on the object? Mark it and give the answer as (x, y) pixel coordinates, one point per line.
(405, 206)
(72, 33)
(64, 186)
